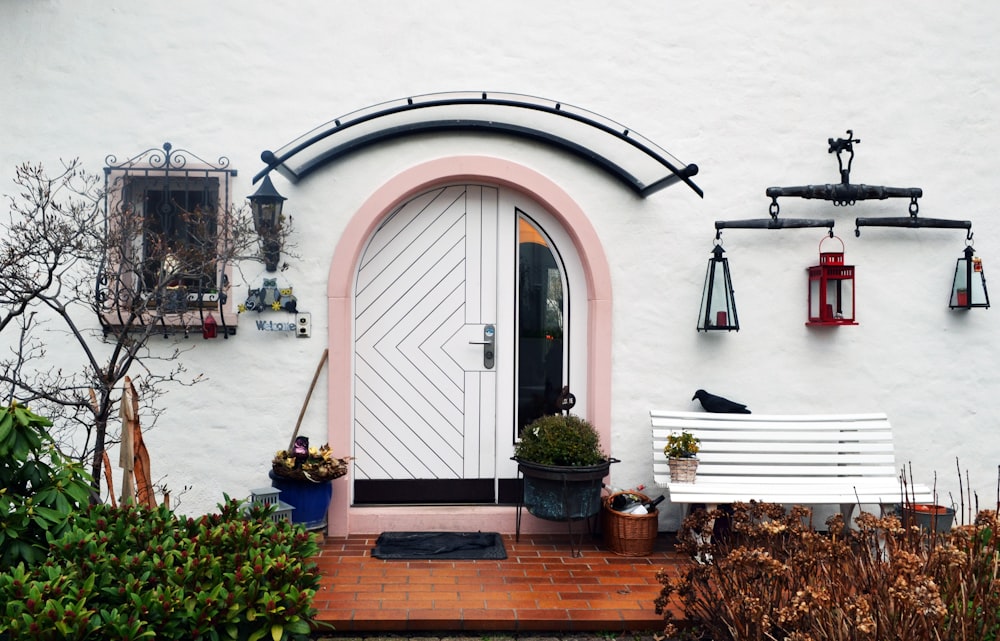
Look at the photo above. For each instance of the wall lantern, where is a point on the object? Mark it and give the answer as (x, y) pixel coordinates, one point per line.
(718, 307)
(831, 288)
(266, 204)
(968, 290)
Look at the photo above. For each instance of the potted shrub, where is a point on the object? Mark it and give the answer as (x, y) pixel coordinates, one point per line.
(681, 450)
(563, 465)
(304, 475)
(929, 518)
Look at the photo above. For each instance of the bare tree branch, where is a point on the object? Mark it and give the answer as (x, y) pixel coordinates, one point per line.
(89, 269)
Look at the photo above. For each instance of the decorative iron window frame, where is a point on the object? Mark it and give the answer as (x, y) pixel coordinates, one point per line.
(167, 163)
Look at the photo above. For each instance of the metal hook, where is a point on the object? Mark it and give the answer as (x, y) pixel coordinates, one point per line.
(839, 146)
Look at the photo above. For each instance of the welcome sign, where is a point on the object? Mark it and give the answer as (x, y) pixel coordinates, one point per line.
(271, 326)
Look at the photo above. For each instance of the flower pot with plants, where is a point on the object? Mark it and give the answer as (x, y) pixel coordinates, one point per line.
(681, 450)
(937, 518)
(563, 466)
(304, 475)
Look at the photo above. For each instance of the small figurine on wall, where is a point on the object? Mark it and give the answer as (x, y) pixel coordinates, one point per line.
(270, 296)
(300, 450)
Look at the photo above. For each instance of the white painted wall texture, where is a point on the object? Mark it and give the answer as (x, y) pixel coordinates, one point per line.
(749, 91)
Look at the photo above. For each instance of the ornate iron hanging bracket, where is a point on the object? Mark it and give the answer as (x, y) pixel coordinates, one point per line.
(912, 222)
(845, 193)
(772, 223)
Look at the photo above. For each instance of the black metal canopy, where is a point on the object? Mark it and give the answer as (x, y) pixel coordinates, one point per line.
(641, 164)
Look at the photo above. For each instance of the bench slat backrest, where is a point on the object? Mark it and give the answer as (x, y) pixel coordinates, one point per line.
(780, 446)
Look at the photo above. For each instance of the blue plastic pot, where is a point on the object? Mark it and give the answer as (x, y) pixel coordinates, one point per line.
(310, 500)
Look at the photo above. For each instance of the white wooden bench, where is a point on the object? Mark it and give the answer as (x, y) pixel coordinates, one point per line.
(843, 459)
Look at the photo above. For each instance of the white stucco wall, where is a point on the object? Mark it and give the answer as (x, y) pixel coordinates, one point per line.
(749, 91)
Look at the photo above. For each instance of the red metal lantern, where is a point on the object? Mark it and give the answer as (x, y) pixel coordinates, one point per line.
(831, 289)
(209, 328)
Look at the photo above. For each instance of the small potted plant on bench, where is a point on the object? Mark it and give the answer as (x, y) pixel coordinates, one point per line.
(681, 450)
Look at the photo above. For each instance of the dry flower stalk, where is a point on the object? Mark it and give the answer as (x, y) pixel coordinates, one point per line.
(773, 577)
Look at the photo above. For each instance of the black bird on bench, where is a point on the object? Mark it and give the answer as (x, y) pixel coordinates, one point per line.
(719, 405)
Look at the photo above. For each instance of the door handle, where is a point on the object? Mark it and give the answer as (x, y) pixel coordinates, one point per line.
(489, 346)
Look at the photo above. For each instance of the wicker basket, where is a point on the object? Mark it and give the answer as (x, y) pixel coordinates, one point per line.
(683, 470)
(629, 534)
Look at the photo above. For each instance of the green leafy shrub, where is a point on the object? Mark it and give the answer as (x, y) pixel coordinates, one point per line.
(775, 578)
(38, 487)
(560, 440)
(133, 573)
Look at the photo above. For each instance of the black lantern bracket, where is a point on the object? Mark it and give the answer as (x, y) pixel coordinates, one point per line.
(913, 222)
(773, 223)
(844, 193)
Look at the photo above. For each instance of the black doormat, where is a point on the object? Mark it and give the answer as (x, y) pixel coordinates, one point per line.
(406, 546)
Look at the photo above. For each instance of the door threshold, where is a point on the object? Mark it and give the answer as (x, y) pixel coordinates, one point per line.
(440, 518)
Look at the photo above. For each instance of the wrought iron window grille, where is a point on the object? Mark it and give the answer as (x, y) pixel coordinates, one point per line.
(164, 197)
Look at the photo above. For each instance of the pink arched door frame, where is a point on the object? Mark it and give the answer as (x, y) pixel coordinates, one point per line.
(344, 519)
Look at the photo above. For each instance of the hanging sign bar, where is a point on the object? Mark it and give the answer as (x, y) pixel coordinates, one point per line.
(845, 193)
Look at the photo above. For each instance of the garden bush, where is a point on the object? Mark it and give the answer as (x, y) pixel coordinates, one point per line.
(38, 486)
(133, 573)
(775, 578)
(563, 440)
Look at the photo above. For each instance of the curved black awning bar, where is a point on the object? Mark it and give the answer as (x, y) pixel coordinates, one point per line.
(641, 164)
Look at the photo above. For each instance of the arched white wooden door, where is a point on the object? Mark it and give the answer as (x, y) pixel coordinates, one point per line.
(462, 310)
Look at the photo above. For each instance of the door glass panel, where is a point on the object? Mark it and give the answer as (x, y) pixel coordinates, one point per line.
(541, 312)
